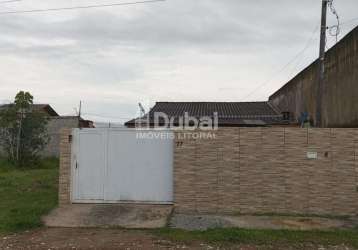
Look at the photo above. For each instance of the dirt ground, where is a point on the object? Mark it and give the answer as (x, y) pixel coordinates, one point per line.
(72, 238)
(109, 215)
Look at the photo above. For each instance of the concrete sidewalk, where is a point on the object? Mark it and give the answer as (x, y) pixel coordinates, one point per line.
(109, 215)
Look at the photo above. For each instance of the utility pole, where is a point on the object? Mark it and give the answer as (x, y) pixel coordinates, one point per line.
(322, 51)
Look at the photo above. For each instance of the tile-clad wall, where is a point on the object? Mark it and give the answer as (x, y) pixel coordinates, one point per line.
(185, 167)
(266, 170)
(65, 168)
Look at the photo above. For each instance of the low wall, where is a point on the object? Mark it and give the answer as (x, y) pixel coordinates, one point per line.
(266, 170)
(258, 170)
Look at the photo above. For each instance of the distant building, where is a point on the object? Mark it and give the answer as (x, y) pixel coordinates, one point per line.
(340, 96)
(44, 108)
(54, 127)
(229, 114)
(55, 124)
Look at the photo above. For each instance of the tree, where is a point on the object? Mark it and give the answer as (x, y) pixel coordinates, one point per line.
(23, 130)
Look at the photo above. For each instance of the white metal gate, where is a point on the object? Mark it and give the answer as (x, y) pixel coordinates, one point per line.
(122, 165)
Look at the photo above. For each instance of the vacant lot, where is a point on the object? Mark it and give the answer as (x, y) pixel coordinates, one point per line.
(27, 194)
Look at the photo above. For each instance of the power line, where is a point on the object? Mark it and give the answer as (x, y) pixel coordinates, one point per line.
(10, 1)
(303, 53)
(79, 7)
(285, 66)
(107, 116)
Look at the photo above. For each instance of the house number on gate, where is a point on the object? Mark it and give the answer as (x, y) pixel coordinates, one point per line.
(179, 144)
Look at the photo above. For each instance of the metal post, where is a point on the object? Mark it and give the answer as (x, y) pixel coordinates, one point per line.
(322, 51)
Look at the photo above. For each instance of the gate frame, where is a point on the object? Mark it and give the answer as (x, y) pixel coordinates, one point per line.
(72, 137)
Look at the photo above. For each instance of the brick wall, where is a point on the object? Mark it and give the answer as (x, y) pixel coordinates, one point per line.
(266, 170)
(65, 168)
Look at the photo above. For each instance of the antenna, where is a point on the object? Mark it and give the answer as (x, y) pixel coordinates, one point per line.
(80, 109)
(142, 110)
(79, 114)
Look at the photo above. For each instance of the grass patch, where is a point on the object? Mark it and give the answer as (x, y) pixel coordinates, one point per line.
(5, 165)
(26, 194)
(263, 237)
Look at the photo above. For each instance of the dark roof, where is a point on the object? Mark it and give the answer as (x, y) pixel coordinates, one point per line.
(38, 107)
(229, 113)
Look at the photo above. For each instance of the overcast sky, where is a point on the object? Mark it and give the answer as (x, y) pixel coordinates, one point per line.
(179, 50)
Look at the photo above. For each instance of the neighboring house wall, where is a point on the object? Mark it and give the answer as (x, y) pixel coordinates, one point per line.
(54, 127)
(266, 170)
(258, 170)
(340, 105)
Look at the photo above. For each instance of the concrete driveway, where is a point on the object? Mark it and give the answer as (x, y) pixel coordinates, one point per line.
(109, 215)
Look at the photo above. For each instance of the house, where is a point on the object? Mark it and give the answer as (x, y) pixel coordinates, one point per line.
(54, 126)
(340, 93)
(229, 114)
(44, 108)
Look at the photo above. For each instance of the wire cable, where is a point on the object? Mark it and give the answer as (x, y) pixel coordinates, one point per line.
(285, 66)
(334, 30)
(107, 116)
(10, 1)
(297, 65)
(78, 7)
